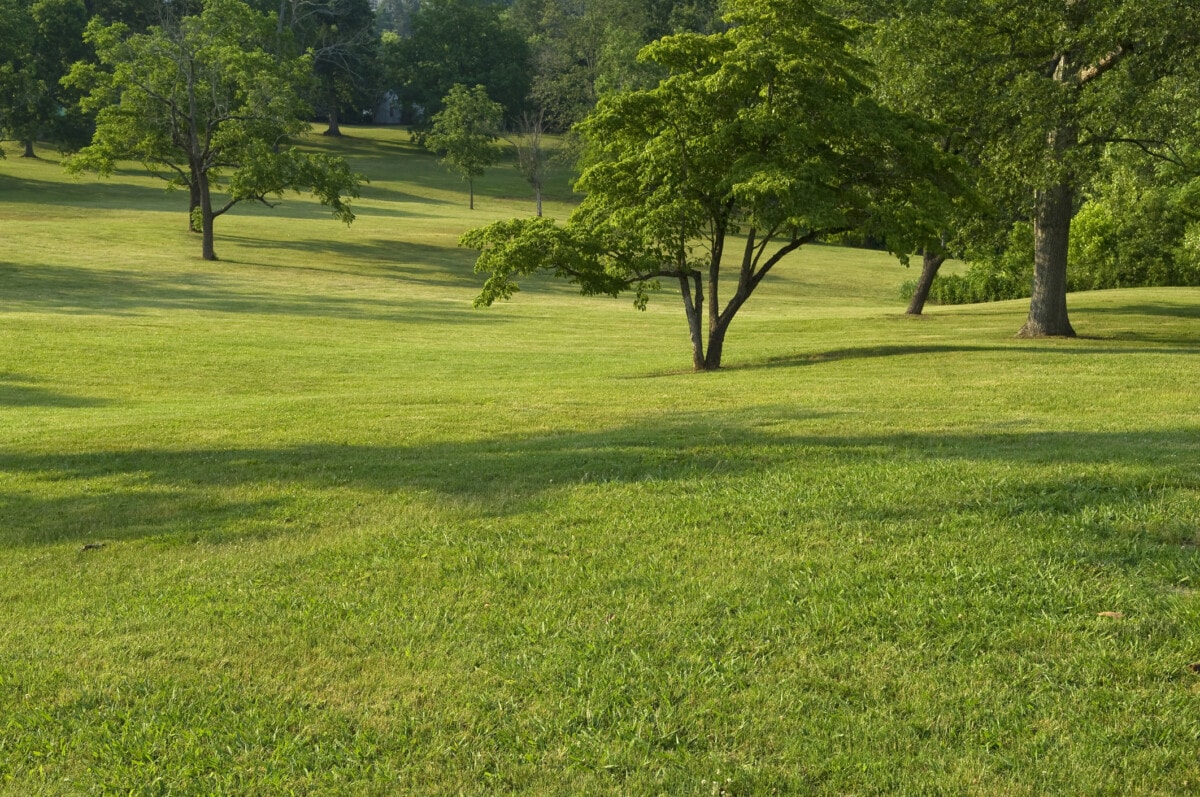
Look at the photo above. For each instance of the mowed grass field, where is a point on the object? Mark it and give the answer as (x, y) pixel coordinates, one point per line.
(302, 521)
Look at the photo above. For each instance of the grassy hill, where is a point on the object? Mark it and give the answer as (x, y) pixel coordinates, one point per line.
(303, 521)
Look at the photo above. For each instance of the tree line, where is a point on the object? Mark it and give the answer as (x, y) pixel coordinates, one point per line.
(1017, 135)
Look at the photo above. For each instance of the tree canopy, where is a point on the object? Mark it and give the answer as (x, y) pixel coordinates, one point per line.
(463, 133)
(202, 103)
(766, 132)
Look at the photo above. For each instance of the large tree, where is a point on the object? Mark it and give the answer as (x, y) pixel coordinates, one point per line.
(204, 104)
(764, 137)
(340, 39)
(1041, 89)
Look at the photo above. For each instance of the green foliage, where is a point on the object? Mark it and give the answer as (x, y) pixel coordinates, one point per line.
(459, 42)
(766, 130)
(41, 40)
(465, 130)
(361, 540)
(201, 99)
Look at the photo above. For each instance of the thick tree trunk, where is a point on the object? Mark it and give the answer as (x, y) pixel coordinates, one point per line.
(207, 219)
(930, 263)
(1051, 232)
(334, 128)
(693, 305)
(194, 224)
(716, 345)
(28, 153)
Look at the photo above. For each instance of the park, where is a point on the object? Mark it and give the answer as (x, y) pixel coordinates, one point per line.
(304, 520)
(343, 511)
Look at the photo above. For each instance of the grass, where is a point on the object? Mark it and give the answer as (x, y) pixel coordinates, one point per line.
(302, 521)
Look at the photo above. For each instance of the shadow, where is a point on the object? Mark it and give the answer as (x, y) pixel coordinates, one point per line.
(91, 192)
(70, 289)
(128, 494)
(440, 266)
(1163, 309)
(873, 352)
(21, 391)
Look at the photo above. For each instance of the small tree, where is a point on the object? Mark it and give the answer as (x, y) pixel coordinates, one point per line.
(202, 98)
(763, 137)
(464, 131)
(531, 155)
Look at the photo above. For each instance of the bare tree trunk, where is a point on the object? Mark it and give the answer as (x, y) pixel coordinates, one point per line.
(930, 263)
(716, 345)
(537, 191)
(471, 193)
(1051, 231)
(28, 153)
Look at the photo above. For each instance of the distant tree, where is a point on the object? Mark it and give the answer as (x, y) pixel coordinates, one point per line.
(763, 137)
(532, 157)
(339, 37)
(464, 131)
(44, 38)
(460, 42)
(203, 99)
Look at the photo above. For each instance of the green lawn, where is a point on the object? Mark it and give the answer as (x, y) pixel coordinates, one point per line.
(303, 521)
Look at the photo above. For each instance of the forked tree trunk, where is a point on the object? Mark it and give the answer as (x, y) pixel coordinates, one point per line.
(29, 153)
(1051, 232)
(930, 263)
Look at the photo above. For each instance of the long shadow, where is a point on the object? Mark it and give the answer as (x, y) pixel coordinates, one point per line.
(22, 391)
(896, 350)
(70, 289)
(1165, 309)
(447, 267)
(89, 193)
(149, 490)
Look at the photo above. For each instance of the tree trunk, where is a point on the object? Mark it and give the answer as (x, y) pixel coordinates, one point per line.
(194, 224)
(694, 307)
(29, 153)
(334, 128)
(930, 263)
(537, 192)
(716, 344)
(471, 193)
(1051, 231)
(207, 219)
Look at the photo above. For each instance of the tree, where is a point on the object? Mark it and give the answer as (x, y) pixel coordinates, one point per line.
(200, 99)
(460, 41)
(1043, 89)
(464, 131)
(764, 136)
(531, 154)
(45, 38)
(339, 36)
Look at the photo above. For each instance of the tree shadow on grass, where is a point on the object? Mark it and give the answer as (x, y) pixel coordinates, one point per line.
(896, 350)
(129, 494)
(70, 289)
(22, 391)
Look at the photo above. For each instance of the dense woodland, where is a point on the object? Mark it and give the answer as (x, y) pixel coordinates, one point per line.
(1018, 137)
